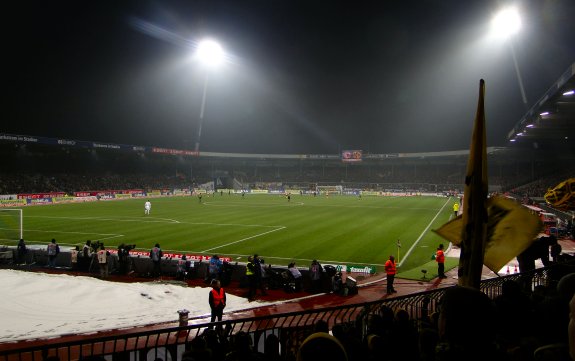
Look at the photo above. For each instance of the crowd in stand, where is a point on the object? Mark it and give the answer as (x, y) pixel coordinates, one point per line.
(15, 183)
(69, 183)
(539, 187)
(40, 168)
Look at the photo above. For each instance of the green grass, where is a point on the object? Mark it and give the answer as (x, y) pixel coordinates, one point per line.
(338, 229)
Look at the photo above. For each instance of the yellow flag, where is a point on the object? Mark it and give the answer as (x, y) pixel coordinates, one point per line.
(488, 231)
(474, 213)
(562, 196)
(451, 230)
(511, 229)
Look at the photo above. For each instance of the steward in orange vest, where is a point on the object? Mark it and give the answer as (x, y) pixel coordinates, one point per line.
(390, 270)
(217, 300)
(440, 259)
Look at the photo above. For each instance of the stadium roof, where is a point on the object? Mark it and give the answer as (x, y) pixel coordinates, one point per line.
(550, 123)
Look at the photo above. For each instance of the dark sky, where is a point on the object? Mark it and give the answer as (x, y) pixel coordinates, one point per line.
(302, 77)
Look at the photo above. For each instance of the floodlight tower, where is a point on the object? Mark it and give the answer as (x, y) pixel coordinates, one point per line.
(210, 54)
(505, 24)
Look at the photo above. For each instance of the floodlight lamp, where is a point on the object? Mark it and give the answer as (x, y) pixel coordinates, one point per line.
(570, 92)
(544, 113)
(506, 23)
(530, 125)
(210, 53)
(512, 140)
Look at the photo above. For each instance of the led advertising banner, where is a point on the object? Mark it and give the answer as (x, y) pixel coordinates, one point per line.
(351, 156)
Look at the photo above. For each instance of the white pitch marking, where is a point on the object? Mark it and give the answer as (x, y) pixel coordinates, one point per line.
(165, 220)
(112, 235)
(244, 239)
(116, 236)
(101, 234)
(422, 233)
(147, 220)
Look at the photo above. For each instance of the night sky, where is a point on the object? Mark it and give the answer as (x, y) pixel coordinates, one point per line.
(302, 77)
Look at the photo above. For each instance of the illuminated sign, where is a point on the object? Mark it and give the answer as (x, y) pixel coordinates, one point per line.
(351, 155)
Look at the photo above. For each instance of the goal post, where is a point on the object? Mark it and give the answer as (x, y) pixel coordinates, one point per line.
(327, 190)
(11, 224)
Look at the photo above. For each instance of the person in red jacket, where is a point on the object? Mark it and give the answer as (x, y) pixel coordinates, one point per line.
(390, 270)
(217, 300)
(440, 259)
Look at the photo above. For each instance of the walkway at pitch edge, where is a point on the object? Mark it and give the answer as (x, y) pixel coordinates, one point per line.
(371, 288)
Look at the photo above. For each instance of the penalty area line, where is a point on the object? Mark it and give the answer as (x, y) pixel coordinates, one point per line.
(110, 235)
(143, 219)
(243, 239)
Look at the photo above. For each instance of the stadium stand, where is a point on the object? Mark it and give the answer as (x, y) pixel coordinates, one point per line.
(515, 317)
(42, 168)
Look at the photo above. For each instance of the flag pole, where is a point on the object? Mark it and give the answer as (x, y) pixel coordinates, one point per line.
(474, 214)
(398, 247)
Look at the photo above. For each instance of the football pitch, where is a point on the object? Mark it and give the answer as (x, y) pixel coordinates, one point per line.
(334, 229)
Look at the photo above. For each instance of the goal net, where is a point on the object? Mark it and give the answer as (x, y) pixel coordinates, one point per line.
(11, 224)
(329, 189)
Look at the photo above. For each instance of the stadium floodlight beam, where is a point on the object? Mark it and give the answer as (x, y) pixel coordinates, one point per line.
(210, 54)
(505, 24)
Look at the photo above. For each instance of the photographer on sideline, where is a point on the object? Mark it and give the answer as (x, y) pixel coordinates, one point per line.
(124, 257)
(53, 250)
(85, 256)
(182, 268)
(87, 249)
(103, 261)
(21, 251)
(156, 255)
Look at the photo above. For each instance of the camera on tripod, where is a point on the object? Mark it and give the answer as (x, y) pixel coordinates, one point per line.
(124, 251)
(126, 247)
(95, 246)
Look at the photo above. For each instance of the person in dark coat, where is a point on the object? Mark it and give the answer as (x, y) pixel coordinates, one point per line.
(21, 251)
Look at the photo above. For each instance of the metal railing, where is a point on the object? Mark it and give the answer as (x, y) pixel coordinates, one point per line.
(291, 328)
